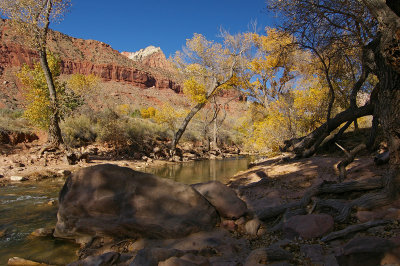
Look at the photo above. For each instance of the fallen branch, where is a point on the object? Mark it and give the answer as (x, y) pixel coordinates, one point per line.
(306, 146)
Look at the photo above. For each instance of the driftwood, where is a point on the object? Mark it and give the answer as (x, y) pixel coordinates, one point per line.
(353, 228)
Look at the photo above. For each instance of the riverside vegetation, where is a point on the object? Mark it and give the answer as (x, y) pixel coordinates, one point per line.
(317, 92)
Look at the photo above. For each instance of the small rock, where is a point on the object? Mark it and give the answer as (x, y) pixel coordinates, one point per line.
(189, 155)
(109, 258)
(16, 261)
(261, 232)
(42, 232)
(240, 221)
(317, 255)
(149, 257)
(308, 226)
(2, 233)
(43, 162)
(174, 261)
(252, 227)
(18, 164)
(267, 255)
(229, 224)
(93, 151)
(18, 178)
(176, 159)
(198, 260)
(64, 173)
(51, 202)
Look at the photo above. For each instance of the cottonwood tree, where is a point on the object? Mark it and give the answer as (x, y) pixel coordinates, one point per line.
(271, 67)
(208, 67)
(380, 55)
(32, 19)
(332, 31)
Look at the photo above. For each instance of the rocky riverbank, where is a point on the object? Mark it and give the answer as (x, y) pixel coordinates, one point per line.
(21, 160)
(158, 222)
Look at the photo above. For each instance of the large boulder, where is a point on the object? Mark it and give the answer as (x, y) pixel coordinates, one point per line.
(223, 198)
(113, 201)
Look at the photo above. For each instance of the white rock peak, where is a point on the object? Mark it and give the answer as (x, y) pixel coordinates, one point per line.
(142, 53)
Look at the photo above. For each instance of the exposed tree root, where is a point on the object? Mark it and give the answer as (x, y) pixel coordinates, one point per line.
(349, 159)
(342, 207)
(353, 228)
(52, 147)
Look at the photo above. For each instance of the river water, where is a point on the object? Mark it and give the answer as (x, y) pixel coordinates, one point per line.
(24, 208)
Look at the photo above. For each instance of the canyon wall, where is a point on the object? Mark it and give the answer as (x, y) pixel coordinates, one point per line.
(84, 57)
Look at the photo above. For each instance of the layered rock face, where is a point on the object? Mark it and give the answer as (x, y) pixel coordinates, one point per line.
(84, 57)
(108, 200)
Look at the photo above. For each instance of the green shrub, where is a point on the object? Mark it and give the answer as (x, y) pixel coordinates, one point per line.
(111, 128)
(136, 113)
(144, 128)
(13, 120)
(78, 131)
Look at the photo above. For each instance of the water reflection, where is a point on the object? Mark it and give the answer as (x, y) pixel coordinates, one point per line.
(202, 171)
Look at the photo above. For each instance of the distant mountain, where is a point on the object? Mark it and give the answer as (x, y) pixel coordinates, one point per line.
(150, 56)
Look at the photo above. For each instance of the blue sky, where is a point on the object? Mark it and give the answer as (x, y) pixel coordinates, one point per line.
(132, 25)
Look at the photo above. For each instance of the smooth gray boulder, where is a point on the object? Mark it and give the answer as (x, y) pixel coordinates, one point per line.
(118, 202)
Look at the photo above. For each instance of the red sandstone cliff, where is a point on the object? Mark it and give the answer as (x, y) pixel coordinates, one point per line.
(84, 57)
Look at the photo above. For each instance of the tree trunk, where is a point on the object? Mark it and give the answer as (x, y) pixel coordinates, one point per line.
(215, 131)
(184, 124)
(196, 109)
(54, 138)
(387, 59)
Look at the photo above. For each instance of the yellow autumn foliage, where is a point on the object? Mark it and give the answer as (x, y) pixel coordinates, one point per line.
(82, 84)
(149, 112)
(195, 90)
(169, 116)
(123, 109)
(36, 92)
(293, 115)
